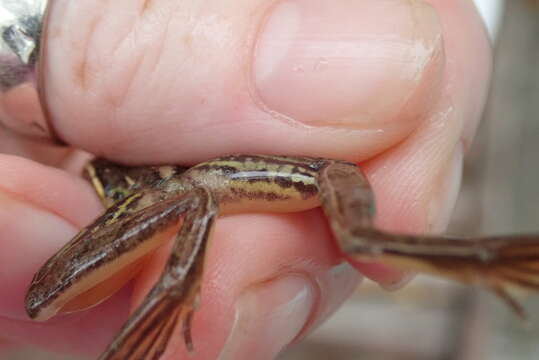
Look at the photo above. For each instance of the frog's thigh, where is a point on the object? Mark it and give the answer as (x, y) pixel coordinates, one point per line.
(110, 278)
(348, 203)
(102, 258)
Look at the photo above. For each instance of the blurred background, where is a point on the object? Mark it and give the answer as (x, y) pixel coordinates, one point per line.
(432, 319)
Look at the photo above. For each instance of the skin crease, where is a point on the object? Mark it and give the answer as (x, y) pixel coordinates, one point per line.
(135, 112)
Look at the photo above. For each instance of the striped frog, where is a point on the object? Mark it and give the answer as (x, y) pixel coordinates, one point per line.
(145, 206)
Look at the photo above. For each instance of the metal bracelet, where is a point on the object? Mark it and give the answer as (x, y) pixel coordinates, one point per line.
(21, 30)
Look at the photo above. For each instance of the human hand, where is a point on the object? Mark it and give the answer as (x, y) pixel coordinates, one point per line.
(392, 84)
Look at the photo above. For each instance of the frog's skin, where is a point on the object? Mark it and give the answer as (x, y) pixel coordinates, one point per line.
(145, 206)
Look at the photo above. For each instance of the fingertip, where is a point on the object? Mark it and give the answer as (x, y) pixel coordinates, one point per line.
(41, 210)
(343, 64)
(50, 189)
(386, 276)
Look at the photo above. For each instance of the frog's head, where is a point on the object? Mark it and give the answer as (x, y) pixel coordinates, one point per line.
(113, 182)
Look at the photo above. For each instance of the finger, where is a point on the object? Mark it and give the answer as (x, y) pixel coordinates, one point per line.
(63, 157)
(45, 153)
(417, 182)
(41, 209)
(428, 162)
(167, 82)
(269, 279)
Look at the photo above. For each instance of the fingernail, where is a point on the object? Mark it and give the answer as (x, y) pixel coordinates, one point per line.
(399, 283)
(337, 284)
(268, 317)
(386, 276)
(344, 63)
(442, 204)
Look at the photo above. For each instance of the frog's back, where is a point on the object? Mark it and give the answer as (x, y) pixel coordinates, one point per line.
(246, 183)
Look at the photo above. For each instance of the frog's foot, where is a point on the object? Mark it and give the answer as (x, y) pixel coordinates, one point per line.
(499, 263)
(175, 296)
(509, 262)
(148, 331)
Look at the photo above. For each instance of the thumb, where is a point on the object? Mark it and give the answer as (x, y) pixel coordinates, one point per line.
(342, 79)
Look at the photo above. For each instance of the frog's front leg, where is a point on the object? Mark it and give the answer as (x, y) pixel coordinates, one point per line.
(495, 262)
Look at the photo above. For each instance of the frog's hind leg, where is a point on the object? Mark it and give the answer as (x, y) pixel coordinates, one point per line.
(104, 255)
(175, 296)
(499, 263)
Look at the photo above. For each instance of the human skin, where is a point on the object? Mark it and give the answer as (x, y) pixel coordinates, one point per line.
(395, 85)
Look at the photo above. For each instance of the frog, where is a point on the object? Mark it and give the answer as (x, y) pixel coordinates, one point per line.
(146, 206)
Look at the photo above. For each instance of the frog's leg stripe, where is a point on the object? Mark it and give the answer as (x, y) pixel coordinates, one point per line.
(175, 295)
(499, 263)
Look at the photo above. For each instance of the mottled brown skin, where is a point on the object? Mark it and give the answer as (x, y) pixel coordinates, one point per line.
(145, 203)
